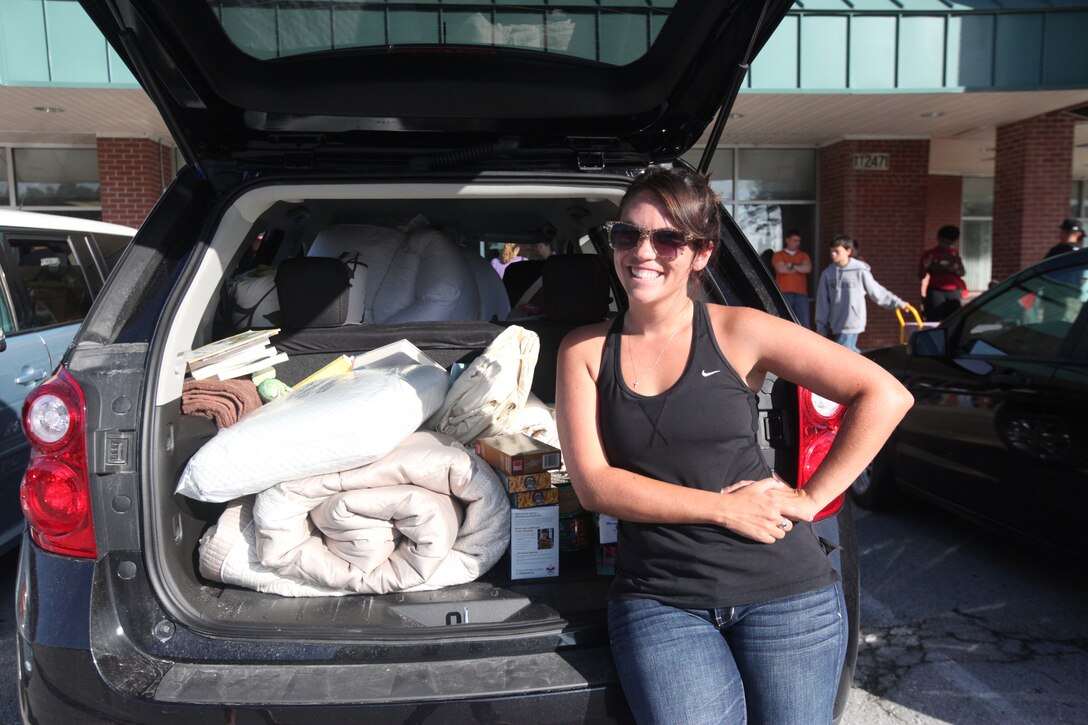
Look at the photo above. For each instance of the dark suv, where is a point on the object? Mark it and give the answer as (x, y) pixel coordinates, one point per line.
(493, 122)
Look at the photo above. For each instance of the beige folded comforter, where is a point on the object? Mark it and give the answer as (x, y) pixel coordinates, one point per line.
(429, 514)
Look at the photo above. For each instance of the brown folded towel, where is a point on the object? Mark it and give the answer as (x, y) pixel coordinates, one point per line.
(224, 401)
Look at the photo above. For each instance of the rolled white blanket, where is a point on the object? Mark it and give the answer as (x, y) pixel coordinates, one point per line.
(429, 514)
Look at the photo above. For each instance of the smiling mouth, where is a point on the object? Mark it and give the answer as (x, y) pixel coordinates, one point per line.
(643, 273)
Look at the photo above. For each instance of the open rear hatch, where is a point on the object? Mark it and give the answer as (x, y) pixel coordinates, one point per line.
(284, 80)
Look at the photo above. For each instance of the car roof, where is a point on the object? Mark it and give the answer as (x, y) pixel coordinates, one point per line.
(16, 219)
(236, 78)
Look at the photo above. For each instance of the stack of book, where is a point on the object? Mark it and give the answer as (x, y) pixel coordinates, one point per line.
(246, 353)
(525, 464)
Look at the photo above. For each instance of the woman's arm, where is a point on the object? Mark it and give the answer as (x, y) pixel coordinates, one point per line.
(627, 495)
(875, 400)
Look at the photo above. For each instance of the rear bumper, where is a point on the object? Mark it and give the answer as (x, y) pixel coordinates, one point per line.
(66, 687)
(81, 660)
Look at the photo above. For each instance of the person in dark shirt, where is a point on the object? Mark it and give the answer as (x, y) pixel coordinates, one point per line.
(724, 605)
(1072, 237)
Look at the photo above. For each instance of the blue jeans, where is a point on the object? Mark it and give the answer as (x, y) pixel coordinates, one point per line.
(799, 304)
(848, 340)
(777, 662)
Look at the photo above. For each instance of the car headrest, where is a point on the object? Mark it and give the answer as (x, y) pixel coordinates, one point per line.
(313, 292)
(576, 288)
(519, 276)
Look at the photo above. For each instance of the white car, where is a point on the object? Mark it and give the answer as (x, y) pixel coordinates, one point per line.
(53, 268)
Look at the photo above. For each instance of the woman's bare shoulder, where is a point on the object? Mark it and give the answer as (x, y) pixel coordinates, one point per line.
(729, 317)
(586, 338)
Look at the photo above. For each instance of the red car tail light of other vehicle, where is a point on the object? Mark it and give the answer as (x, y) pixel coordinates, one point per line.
(819, 422)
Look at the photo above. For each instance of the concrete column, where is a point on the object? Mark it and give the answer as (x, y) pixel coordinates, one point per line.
(1032, 175)
(885, 209)
(132, 173)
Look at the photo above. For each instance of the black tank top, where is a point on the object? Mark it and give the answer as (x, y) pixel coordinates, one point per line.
(701, 433)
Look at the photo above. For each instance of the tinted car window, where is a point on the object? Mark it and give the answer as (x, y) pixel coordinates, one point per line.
(1032, 319)
(54, 281)
(613, 35)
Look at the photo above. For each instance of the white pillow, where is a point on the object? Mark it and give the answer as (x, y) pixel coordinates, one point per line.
(330, 425)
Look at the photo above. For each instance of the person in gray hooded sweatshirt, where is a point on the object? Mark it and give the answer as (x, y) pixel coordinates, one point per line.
(840, 296)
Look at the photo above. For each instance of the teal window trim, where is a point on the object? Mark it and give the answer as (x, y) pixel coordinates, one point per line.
(1016, 47)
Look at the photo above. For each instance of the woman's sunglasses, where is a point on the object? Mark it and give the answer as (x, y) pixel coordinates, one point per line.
(667, 243)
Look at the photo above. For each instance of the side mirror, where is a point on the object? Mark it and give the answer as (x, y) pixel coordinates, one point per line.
(3, 341)
(929, 342)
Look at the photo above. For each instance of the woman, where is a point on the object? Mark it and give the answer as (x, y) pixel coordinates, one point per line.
(724, 604)
(510, 253)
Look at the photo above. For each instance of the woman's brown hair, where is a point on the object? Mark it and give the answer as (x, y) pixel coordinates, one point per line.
(687, 199)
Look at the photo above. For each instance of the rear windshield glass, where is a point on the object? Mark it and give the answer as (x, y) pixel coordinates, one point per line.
(612, 32)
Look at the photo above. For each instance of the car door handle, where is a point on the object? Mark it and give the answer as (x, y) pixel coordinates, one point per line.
(1009, 379)
(29, 378)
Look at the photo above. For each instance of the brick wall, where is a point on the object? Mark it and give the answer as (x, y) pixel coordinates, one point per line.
(886, 211)
(132, 173)
(1032, 176)
(944, 204)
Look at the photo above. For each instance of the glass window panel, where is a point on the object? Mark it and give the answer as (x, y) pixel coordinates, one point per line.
(1031, 319)
(1078, 199)
(408, 27)
(978, 196)
(976, 249)
(358, 28)
(776, 174)
(617, 34)
(305, 30)
(253, 29)
(54, 281)
(721, 170)
(5, 192)
(7, 319)
(765, 225)
(56, 177)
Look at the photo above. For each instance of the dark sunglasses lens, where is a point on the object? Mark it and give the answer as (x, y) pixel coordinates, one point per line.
(668, 242)
(623, 237)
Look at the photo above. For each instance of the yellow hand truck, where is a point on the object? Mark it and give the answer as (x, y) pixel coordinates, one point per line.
(916, 325)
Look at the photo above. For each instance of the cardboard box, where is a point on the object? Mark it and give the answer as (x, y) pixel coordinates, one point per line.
(540, 497)
(526, 482)
(606, 559)
(534, 542)
(518, 454)
(607, 529)
(607, 533)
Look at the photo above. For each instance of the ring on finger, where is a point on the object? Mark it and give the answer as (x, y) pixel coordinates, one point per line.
(785, 524)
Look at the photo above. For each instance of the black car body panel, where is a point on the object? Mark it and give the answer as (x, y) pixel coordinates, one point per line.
(997, 432)
(279, 156)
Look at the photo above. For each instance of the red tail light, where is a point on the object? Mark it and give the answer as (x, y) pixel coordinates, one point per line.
(820, 420)
(55, 494)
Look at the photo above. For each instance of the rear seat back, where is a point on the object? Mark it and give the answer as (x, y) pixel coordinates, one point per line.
(576, 291)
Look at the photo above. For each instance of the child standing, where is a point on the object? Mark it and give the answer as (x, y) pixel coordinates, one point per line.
(840, 296)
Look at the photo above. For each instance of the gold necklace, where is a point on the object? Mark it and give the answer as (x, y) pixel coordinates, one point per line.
(631, 355)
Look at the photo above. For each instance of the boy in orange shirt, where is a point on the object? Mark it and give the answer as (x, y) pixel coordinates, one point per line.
(791, 267)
